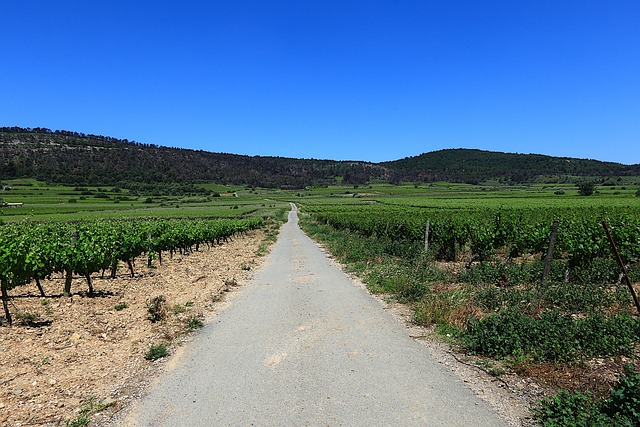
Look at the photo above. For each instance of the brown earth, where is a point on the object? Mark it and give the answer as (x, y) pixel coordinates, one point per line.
(63, 355)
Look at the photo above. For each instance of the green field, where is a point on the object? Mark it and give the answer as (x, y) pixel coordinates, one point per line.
(42, 201)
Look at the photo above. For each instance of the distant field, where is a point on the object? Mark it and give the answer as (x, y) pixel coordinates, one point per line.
(57, 202)
(43, 201)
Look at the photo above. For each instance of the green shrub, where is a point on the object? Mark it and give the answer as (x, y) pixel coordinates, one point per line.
(157, 351)
(552, 337)
(121, 306)
(624, 401)
(565, 409)
(194, 322)
(620, 409)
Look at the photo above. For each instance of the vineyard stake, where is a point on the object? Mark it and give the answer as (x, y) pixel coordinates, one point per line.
(5, 301)
(426, 237)
(549, 257)
(624, 269)
(69, 272)
(474, 256)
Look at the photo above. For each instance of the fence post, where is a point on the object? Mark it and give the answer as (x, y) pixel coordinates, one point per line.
(69, 272)
(426, 237)
(624, 269)
(549, 257)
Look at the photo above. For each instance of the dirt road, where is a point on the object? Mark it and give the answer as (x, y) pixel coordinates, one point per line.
(300, 345)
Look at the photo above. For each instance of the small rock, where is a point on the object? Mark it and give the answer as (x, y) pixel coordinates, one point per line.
(108, 401)
(75, 337)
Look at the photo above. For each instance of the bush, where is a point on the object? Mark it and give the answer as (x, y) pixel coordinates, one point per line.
(621, 408)
(157, 351)
(565, 409)
(194, 322)
(554, 336)
(624, 401)
(157, 309)
(585, 188)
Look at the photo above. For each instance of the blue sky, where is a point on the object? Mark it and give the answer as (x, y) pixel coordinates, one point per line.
(367, 80)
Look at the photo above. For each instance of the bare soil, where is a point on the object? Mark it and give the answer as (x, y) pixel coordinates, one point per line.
(62, 354)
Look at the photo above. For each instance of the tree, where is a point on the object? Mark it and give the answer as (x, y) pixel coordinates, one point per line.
(585, 188)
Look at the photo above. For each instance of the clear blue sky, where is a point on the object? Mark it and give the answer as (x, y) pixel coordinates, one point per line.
(369, 80)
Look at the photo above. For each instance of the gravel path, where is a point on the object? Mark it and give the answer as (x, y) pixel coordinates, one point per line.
(301, 346)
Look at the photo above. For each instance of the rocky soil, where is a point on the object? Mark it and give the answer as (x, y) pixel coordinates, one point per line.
(65, 357)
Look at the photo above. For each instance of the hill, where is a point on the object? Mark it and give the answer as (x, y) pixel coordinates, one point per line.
(79, 159)
(469, 165)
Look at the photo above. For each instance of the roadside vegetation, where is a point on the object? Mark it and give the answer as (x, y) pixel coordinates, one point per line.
(485, 280)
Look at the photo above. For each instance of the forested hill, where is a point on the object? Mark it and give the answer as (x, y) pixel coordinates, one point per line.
(469, 165)
(74, 158)
(79, 159)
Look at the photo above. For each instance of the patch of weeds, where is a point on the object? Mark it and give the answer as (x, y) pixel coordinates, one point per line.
(194, 322)
(491, 367)
(246, 267)
(445, 308)
(157, 309)
(90, 407)
(189, 304)
(121, 306)
(44, 302)
(27, 319)
(553, 336)
(80, 420)
(620, 408)
(385, 278)
(230, 282)
(565, 409)
(157, 351)
(177, 309)
(447, 333)
(624, 401)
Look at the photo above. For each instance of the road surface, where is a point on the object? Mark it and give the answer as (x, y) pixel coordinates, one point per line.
(300, 345)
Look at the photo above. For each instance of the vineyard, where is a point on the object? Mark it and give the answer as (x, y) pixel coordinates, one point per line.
(484, 232)
(525, 290)
(30, 252)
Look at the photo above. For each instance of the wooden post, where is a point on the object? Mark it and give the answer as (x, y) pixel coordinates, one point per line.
(69, 273)
(5, 301)
(39, 285)
(549, 257)
(426, 238)
(622, 266)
